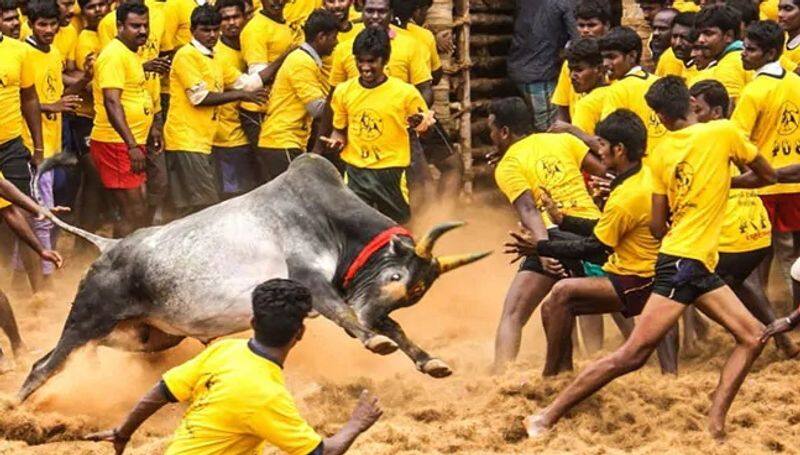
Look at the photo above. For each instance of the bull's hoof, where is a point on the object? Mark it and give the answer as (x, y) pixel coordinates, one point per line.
(380, 344)
(436, 368)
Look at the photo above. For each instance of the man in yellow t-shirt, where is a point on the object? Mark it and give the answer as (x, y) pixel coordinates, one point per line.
(236, 391)
(10, 21)
(677, 60)
(67, 36)
(621, 239)
(532, 165)
(347, 28)
(587, 76)
(199, 84)
(691, 180)
(789, 19)
(745, 240)
(371, 117)
(297, 98)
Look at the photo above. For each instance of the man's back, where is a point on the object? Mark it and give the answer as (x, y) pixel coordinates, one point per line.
(541, 29)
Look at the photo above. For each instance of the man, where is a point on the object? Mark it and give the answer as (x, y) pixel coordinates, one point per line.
(341, 9)
(124, 111)
(297, 97)
(371, 117)
(691, 179)
(67, 35)
(239, 400)
(197, 84)
(677, 60)
(541, 29)
(9, 19)
(593, 21)
(652, 7)
(718, 29)
(767, 114)
(661, 37)
(587, 76)
(231, 150)
(297, 12)
(622, 50)
(266, 40)
(404, 12)
(621, 239)
(745, 239)
(789, 19)
(530, 166)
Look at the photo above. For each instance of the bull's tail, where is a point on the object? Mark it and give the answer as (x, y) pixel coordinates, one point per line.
(66, 159)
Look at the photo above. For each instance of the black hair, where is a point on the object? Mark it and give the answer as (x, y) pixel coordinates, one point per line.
(127, 8)
(767, 35)
(279, 307)
(669, 97)
(585, 50)
(624, 127)
(8, 5)
(512, 113)
(404, 9)
(42, 9)
(320, 21)
(713, 92)
(593, 9)
(205, 15)
(724, 17)
(747, 10)
(686, 19)
(622, 39)
(372, 41)
(220, 4)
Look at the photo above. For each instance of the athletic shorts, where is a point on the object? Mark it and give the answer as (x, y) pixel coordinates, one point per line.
(633, 291)
(383, 189)
(15, 164)
(271, 163)
(783, 210)
(734, 268)
(575, 267)
(234, 167)
(683, 280)
(113, 165)
(192, 182)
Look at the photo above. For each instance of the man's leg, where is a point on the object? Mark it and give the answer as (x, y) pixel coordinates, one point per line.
(133, 208)
(659, 316)
(722, 306)
(527, 290)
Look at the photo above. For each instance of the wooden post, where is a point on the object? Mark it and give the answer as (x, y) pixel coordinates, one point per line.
(464, 63)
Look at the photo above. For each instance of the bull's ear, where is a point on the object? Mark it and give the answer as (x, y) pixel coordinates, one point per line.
(400, 248)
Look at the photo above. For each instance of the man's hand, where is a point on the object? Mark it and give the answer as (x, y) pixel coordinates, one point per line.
(445, 43)
(52, 256)
(522, 246)
(367, 412)
(552, 266)
(550, 206)
(111, 436)
(158, 65)
(601, 186)
(67, 103)
(137, 159)
(776, 327)
(560, 126)
(331, 145)
(88, 66)
(155, 140)
(421, 121)
(257, 96)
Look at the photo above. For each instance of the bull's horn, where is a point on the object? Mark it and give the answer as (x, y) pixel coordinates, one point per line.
(448, 263)
(424, 248)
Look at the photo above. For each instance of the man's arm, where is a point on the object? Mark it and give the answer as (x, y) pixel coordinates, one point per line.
(230, 96)
(116, 116)
(32, 114)
(426, 90)
(267, 74)
(530, 216)
(762, 174)
(563, 127)
(366, 413)
(18, 224)
(660, 218)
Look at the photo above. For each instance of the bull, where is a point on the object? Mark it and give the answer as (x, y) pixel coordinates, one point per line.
(193, 277)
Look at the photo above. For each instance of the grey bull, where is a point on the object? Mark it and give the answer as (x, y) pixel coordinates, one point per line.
(193, 277)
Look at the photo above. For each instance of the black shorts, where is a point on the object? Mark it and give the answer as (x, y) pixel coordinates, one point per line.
(192, 182)
(683, 280)
(381, 189)
(234, 169)
(633, 291)
(734, 268)
(574, 267)
(15, 164)
(271, 163)
(81, 130)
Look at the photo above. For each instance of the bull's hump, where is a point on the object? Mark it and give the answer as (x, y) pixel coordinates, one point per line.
(312, 168)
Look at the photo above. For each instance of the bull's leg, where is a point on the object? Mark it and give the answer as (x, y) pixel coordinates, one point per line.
(424, 362)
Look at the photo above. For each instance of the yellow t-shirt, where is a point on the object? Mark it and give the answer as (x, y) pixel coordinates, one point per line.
(299, 81)
(47, 67)
(343, 37)
(191, 128)
(425, 36)
(746, 226)
(238, 403)
(790, 58)
(177, 21)
(376, 122)
(686, 6)
(728, 71)
(65, 40)
(628, 93)
(263, 41)
(119, 67)
(24, 28)
(229, 129)
(552, 162)
(297, 11)
(624, 226)
(564, 94)
(669, 65)
(691, 167)
(589, 110)
(406, 62)
(16, 72)
(769, 111)
(768, 10)
(88, 43)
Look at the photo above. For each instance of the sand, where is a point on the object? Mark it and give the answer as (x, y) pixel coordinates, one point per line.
(470, 412)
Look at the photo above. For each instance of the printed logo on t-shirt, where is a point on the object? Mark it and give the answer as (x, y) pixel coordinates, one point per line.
(549, 171)
(368, 125)
(789, 119)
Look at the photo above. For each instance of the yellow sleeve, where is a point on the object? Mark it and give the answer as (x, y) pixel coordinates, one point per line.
(436, 61)
(563, 87)
(112, 73)
(745, 114)
(584, 116)
(281, 425)
(187, 70)
(339, 110)
(106, 33)
(659, 186)
(510, 178)
(418, 69)
(27, 75)
(614, 222)
(229, 74)
(254, 47)
(338, 67)
(742, 150)
(181, 379)
(305, 83)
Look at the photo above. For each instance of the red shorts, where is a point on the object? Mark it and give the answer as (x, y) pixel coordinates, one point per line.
(784, 211)
(114, 165)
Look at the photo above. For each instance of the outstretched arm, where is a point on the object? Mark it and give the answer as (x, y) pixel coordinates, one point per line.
(366, 413)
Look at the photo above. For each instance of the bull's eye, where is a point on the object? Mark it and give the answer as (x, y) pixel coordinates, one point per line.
(395, 277)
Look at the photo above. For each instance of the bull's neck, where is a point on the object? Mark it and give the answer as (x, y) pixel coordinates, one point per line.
(355, 238)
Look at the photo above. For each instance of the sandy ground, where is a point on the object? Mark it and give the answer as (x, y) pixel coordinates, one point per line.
(470, 412)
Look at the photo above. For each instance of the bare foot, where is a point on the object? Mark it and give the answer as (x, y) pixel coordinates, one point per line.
(535, 425)
(717, 431)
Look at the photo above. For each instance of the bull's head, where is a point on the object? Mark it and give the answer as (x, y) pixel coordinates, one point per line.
(401, 273)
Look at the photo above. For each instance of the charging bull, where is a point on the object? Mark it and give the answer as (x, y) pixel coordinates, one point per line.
(193, 277)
